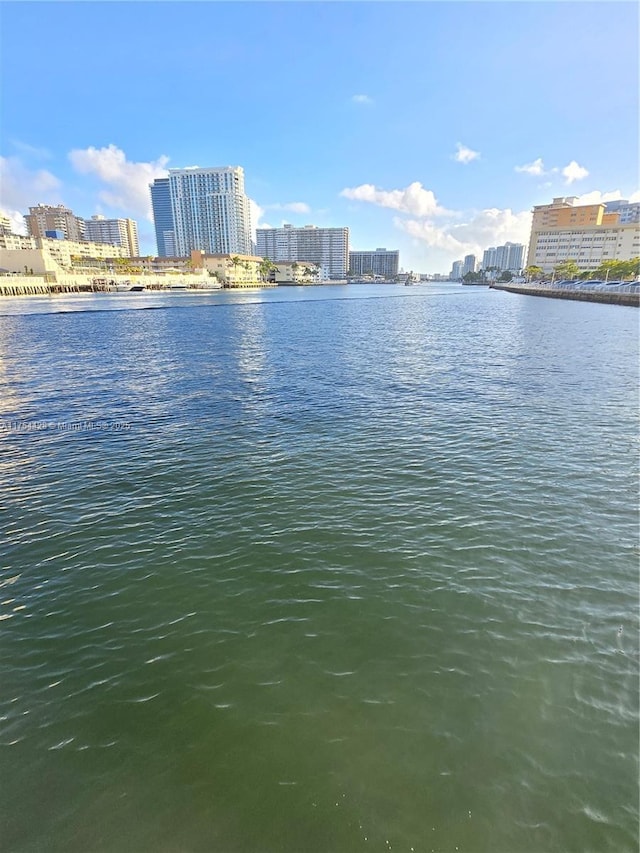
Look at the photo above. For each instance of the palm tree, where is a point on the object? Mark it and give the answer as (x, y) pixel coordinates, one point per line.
(533, 272)
(567, 269)
(235, 260)
(265, 266)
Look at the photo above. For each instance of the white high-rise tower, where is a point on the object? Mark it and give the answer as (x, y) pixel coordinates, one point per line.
(210, 210)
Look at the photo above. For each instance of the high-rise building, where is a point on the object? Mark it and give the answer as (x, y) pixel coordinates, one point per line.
(383, 262)
(116, 232)
(629, 213)
(586, 234)
(163, 218)
(456, 270)
(203, 209)
(508, 257)
(469, 264)
(328, 248)
(46, 217)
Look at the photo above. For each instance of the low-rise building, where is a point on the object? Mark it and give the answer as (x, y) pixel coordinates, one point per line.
(44, 255)
(294, 272)
(230, 270)
(161, 265)
(8, 240)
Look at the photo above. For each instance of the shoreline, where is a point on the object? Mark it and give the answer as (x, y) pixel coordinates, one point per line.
(602, 296)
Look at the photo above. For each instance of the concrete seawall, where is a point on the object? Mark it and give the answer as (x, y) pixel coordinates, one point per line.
(39, 285)
(609, 297)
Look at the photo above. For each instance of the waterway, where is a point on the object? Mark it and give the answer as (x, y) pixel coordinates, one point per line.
(318, 570)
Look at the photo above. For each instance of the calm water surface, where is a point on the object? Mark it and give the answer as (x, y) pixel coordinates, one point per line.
(319, 569)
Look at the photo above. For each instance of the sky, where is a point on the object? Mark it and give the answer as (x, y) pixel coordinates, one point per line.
(428, 127)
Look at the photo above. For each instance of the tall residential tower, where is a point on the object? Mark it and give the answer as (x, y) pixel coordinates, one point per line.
(117, 232)
(383, 262)
(203, 209)
(163, 218)
(326, 247)
(48, 217)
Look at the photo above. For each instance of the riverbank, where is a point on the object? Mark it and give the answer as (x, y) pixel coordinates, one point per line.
(610, 297)
(27, 285)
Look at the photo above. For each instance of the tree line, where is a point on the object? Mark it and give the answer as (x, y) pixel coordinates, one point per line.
(608, 270)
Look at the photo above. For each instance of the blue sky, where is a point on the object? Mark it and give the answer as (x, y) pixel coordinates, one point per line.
(428, 127)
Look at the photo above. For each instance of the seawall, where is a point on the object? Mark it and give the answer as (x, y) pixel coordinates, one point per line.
(610, 297)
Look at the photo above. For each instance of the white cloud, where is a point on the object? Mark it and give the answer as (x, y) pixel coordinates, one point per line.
(414, 199)
(464, 154)
(484, 228)
(535, 168)
(16, 219)
(362, 99)
(597, 197)
(256, 213)
(21, 188)
(447, 232)
(31, 151)
(573, 172)
(293, 206)
(127, 182)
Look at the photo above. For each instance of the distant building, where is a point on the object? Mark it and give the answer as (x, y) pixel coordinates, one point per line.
(45, 217)
(629, 213)
(116, 232)
(626, 212)
(469, 264)
(382, 262)
(5, 224)
(163, 218)
(586, 234)
(456, 270)
(202, 209)
(508, 257)
(328, 248)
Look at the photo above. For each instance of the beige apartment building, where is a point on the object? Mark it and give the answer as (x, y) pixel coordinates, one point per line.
(586, 234)
(230, 270)
(117, 232)
(48, 255)
(298, 272)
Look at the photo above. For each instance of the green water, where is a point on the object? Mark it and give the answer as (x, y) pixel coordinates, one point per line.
(321, 569)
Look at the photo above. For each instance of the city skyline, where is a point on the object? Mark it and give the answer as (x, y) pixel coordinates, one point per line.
(407, 140)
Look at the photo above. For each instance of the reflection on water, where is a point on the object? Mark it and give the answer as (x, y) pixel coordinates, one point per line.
(361, 575)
